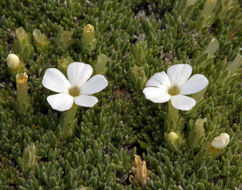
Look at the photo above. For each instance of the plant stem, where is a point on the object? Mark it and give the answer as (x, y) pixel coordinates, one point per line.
(68, 122)
(172, 115)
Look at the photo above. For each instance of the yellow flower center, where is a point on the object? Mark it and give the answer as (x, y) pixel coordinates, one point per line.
(74, 91)
(174, 91)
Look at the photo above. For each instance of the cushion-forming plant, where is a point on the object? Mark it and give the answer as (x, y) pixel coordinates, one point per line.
(127, 42)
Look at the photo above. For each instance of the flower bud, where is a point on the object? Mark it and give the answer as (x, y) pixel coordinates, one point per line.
(175, 140)
(172, 136)
(236, 64)
(139, 76)
(40, 40)
(22, 44)
(221, 141)
(29, 159)
(212, 47)
(140, 51)
(208, 7)
(197, 133)
(88, 40)
(206, 15)
(21, 34)
(13, 62)
(101, 64)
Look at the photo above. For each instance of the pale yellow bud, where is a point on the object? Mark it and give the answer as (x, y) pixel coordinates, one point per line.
(221, 141)
(175, 140)
(21, 34)
(173, 136)
(13, 61)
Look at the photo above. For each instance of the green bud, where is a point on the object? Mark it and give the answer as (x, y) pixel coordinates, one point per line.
(187, 10)
(88, 40)
(207, 53)
(236, 64)
(212, 47)
(206, 15)
(175, 140)
(208, 7)
(29, 159)
(64, 39)
(22, 44)
(40, 40)
(21, 34)
(139, 74)
(196, 133)
(101, 64)
(140, 51)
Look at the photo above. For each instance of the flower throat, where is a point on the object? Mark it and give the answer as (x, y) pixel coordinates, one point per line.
(174, 91)
(74, 91)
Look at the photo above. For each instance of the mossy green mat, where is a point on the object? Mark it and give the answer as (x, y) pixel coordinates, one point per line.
(139, 39)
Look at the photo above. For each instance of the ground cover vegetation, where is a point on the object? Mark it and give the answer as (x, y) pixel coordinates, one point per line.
(125, 141)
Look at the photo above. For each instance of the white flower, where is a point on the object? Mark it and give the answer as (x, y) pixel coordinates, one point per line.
(77, 89)
(13, 61)
(221, 141)
(174, 85)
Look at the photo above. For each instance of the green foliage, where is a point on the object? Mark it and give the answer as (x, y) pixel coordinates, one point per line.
(29, 159)
(64, 40)
(138, 39)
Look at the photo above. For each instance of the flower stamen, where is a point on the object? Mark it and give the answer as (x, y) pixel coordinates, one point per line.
(74, 91)
(174, 91)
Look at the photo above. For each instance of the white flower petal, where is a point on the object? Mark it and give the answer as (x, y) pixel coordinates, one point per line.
(86, 101)
(181, 102)
(195, 84)
(78, 73)
(158, 79)
(60, 102)
(54, 80)
(157, 95)
(94, 85)
(221, 141)
(179, 73)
